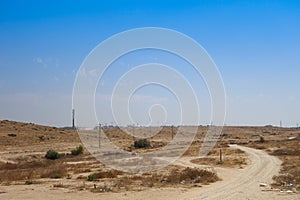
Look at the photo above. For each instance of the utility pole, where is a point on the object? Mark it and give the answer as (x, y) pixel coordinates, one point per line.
(133, 133)
(280, 124)
(99, 132)
(73, 118)
(221, 159)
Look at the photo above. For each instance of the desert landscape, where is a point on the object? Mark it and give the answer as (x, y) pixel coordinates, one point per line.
(150, 100)
(42, 162)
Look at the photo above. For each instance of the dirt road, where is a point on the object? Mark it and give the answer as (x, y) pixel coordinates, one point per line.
(236, 184)
(243, 183)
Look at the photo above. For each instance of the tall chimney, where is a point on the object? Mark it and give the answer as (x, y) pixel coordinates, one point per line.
(73, 118)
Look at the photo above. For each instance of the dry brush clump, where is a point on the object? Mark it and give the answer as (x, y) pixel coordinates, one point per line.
(29, 170)
(114, 181)
(141, 144)
(105, 174)
(191, 175)
(227, 161)
(289, 176)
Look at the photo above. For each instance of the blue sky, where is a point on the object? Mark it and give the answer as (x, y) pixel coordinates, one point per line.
(255, 45)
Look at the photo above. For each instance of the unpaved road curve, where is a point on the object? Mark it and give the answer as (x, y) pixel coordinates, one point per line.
(243, 183)
(237, 184)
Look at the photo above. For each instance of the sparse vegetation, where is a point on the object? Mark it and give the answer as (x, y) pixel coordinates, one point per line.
(53, 155)
(91, 177)
(261, 139)
(104, 188)
(28, 182)
(77, 151)
(142, 144)
(29, 166)
(105, 174)
(289, 152)
(56, 175)
(191, 175)
(30, 170)
(228, 161)
(31, 182)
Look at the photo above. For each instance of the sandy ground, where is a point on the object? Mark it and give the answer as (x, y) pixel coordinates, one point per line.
(236, 184)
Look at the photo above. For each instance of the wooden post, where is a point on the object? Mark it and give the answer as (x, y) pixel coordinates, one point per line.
(99, 135)
(172, 132)
(221, 159)
(133, 133)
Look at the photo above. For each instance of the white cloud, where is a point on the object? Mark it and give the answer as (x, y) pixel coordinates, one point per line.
(93, 72)
(41, 62)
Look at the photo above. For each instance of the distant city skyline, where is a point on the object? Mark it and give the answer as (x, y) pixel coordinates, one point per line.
(254, 44)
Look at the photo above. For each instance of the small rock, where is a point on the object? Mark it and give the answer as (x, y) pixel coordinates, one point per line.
(263, 185)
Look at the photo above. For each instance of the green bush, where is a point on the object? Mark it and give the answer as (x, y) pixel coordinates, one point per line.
(142, 143)
(91, 177)
(29, 182)
(56, 176)
(261, 139)
(77, 151)
(52, 154)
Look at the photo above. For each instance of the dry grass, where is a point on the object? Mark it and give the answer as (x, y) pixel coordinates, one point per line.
(105, 174)
(231, 162)
(31, 141)
(192, 176)
(31, 170)
(289, 152)
(226, 151)
(17, 134)
(173, 176)
(290, 172)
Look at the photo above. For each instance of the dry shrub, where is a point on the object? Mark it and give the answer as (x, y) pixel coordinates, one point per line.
(289, 153)
(283, 152)
(239, 151)
(205, 161)
(32, 170)
(191, 175)
(239, 161)
(60, 185)
(283, 179)
(226, 151)
(125, 182)
(105, 174)
(236, 161)
(142, 144)
(81, 170)
(150, 181)
(24, 165)
(101, 189)
(56, 171)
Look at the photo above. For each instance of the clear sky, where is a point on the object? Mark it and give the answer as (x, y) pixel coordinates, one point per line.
(255, 44)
